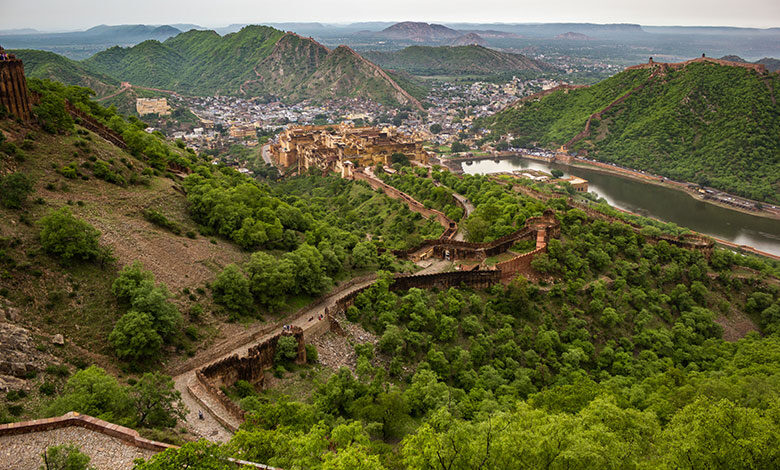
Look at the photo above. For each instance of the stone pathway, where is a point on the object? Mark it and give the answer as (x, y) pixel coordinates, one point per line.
(194, 396)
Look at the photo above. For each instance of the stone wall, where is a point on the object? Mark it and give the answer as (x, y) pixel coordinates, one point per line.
(252, 367)
(450, 226)
(88, 122)
(109, 445)
(13, 89)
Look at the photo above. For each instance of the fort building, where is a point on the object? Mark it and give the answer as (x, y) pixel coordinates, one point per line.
(152, 106)
(14, 97)
(333, 148)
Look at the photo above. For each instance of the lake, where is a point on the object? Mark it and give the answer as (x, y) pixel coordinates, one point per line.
(660, 202)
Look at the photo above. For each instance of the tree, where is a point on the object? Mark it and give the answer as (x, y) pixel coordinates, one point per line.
(556, 173)
(65, 457)
(65, 236)
(52, 115)
(135, 338)
(435, 128)
(200, 455)
(364, 254)
(270, 280)
(399, 158)
(231, 290)
(286, 349)
(14, 190)
(157, 403)
(93, 392)
(458, 147)
(129, 280)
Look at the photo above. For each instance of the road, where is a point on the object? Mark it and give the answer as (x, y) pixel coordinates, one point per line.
(266, 153)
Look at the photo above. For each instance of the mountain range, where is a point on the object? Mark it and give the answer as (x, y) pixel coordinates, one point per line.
(456, 60)
(256, 61)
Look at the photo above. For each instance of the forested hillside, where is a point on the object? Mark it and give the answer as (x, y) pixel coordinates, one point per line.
(458, 60)
(707, 123)
(617, 350)
(50, 66)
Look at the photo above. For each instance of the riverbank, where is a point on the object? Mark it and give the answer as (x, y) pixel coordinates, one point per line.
(627, 173)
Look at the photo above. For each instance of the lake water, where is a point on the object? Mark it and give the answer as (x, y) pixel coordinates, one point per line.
(662, 203)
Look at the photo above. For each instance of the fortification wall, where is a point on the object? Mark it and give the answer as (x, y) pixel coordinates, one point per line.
(88, 122)
(13, 89)
(450, 226)
(760, 68)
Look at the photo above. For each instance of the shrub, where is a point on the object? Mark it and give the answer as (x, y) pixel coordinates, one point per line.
(231, 290)
(159, 219)
(311, 354)
(286, 349)
(14, 190)
(65, 457)
(64, 235)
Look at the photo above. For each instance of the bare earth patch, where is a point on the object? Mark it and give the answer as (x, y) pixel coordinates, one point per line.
(736, 325)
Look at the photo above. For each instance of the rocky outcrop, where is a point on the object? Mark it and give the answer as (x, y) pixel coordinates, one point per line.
(19, 356)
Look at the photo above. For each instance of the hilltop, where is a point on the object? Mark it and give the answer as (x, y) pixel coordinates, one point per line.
(456, 60)
(419, 32)
(257, 60)
(771, 64)
(706, 121)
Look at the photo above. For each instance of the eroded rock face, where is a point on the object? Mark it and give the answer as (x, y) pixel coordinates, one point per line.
(19, 356)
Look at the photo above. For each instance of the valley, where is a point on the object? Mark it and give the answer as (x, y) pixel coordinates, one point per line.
(250, 247)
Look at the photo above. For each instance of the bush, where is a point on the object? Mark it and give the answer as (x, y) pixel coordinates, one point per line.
(47, 388)
(68, 237)
(286, 349)
(159, 219)
(65, 457)
(14, 190)
(312, 356)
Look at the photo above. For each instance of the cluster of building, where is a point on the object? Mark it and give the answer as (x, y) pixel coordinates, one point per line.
(342, 147)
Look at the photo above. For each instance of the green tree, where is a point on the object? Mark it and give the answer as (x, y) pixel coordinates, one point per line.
(68, 237)
(270, 280)
(65, 457)
(157, 403)
(135, 338)
(93, 392)
(231, 290)
(129, 280)
(435, 128)
(364, 254)
(286, 349)
(14, 190)
(52, 115)
(200, 455)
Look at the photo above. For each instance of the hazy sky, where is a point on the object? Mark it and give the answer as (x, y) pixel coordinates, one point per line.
(79, 14)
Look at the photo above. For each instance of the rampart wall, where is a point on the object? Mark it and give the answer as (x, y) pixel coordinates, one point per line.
(760, 68)
(252, 367)
(88, 122)
(13, 89)
(450, 226)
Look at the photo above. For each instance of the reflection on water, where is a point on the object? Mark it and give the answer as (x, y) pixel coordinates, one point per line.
(662, 203)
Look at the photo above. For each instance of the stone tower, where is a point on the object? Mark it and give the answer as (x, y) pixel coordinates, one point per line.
(13, 87)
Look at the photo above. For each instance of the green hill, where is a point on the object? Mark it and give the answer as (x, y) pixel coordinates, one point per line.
(48, 65)
(708, 123)
(258, 60)
(458, 60)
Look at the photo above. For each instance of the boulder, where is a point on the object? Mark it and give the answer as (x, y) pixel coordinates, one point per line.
(58, 340)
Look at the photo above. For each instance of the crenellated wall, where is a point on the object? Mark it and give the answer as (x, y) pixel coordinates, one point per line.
(13, 89)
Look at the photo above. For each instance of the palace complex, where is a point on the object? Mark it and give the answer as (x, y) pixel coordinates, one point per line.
(340, 147)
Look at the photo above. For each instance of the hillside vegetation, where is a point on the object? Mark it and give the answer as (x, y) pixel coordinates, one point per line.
(50, 66)
(707, 123)
(458, 60)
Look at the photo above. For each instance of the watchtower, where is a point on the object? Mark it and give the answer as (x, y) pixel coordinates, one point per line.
(13, 87)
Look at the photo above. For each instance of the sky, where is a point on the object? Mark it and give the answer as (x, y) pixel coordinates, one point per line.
(81, 14)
